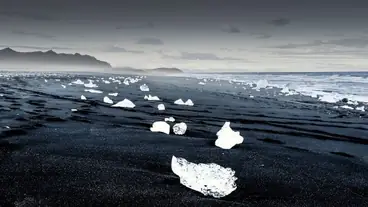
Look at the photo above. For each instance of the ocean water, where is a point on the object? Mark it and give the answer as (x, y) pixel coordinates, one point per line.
(296, 144)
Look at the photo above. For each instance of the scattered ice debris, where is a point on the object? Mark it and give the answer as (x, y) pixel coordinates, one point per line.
(361, 108)
(126, 82)
(355, 103)
(63, 86)
(170, 119)
(261, 84)
(144, 87)
(160, 126)
(93, 91)
(180, 128)
(181, 102)
(107, 100)
(74, 110)
(346, 107)
(113, 94)
(78, 82)
(90, 85)
(209, 179)
(161, 107)
(151, 98)
(83, 97)
(227, 138)
(107, 82)
(126, 103)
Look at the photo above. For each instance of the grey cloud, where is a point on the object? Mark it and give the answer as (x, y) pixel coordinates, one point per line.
(231, 29)
(347, 42)
(150, 41)
(199, 56)
(280, 22)
(147, 25)
(34, 34)
(264, 36)
(121, 50)
(32, 16)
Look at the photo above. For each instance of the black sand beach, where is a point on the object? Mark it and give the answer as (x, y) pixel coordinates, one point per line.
(296, 151)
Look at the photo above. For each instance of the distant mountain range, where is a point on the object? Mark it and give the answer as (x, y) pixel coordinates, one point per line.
(11, 59)
(160, 71)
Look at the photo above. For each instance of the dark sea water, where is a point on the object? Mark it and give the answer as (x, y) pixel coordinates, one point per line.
(297, 150)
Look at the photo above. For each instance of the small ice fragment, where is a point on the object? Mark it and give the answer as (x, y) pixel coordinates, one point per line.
(90, 85)
(46, 81)
(126, 82)
(151, 98)
(93, 91)
(201, 83)
(227, 138)
(361, 108)
(180, 128)
(107, 82)
(161, 107)
(78, 82)
(7, 127)
(144, 87)
(126, 103)
(63, 86)
(346, 107)
(335, 107)
(209, 179)
(160, 126)
(58, 80)
(113, 94)
(74, 110)
(179, 102)
(107, 100)
(189, 102)
(251, 96)
(170, 119)
(83, 97)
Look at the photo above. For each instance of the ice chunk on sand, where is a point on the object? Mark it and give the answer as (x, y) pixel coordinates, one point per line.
(189, 103)
(346, 107)
(361, 108)
(126, 103)
(201, 83)
(107, 100)
(180, 128)
(161, 107)
(151, 98)
(144, 87)
(181, 102)
(90, 85)
(170, 119)
(113, 94)
(227, 138)
(63, 86)
(83, 97)
(78, 82)
(329, 98)
(93, 91)
(106, 82)
(160, 126)
(74, 110)
(209, 179)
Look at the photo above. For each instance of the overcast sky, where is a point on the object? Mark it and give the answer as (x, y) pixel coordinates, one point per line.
(262, 35)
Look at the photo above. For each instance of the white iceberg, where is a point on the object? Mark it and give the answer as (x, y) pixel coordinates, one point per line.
(93, 91)
(151, 98)
(160, 126)
(227, 138)
(126, 103)
(180, 128)
(90, 85)
(170, 119)
(78, 82)
(144, 87)
(107, 100)
(161, 107)
(209, 179)
(83, 97)
(113, 94)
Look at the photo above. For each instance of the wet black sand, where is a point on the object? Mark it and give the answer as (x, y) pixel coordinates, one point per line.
(294, 154)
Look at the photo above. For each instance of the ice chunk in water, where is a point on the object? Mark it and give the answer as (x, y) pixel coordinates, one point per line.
(144, 87)
(181, 102)
(227, 138)
(93, 91)
(161, 107)
(151, 98)
(46, 81)
(209, 179)
(189, 103)
(83, 97)
(78, 82)
(346, 107)
(107, 100)
(160, 126)
(201, 83)
(361, 108)
(180, 128)
(170, 119)
(113, 94)
(63, 86)
(73, 110)
(126, 103)
(90, 85)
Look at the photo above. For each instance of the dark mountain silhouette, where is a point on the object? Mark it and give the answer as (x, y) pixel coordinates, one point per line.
(168, 71)
(25, 60)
